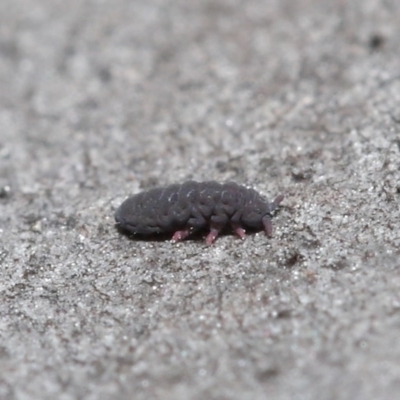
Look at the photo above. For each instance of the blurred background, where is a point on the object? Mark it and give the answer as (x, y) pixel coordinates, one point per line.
(101, 99)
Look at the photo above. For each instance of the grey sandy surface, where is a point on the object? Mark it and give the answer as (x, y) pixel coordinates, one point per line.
(102, 99)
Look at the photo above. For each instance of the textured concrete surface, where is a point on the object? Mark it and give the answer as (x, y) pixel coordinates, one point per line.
(101, 99)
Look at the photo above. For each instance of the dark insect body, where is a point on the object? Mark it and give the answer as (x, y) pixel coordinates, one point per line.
(189, 207)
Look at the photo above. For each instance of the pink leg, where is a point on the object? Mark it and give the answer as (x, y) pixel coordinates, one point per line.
(180, 235)
(239, 231)
(212, 236)
(267, 219)
(267, 225)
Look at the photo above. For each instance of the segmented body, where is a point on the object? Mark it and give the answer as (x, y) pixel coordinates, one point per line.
(185, 208)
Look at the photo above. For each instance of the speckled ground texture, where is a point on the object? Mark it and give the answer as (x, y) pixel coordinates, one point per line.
(102, 99)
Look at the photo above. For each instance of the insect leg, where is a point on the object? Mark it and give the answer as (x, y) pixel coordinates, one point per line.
(267, 225)
(236, 227)
(238, 230)
(180, 235)
(214, 231)
(217, 224)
